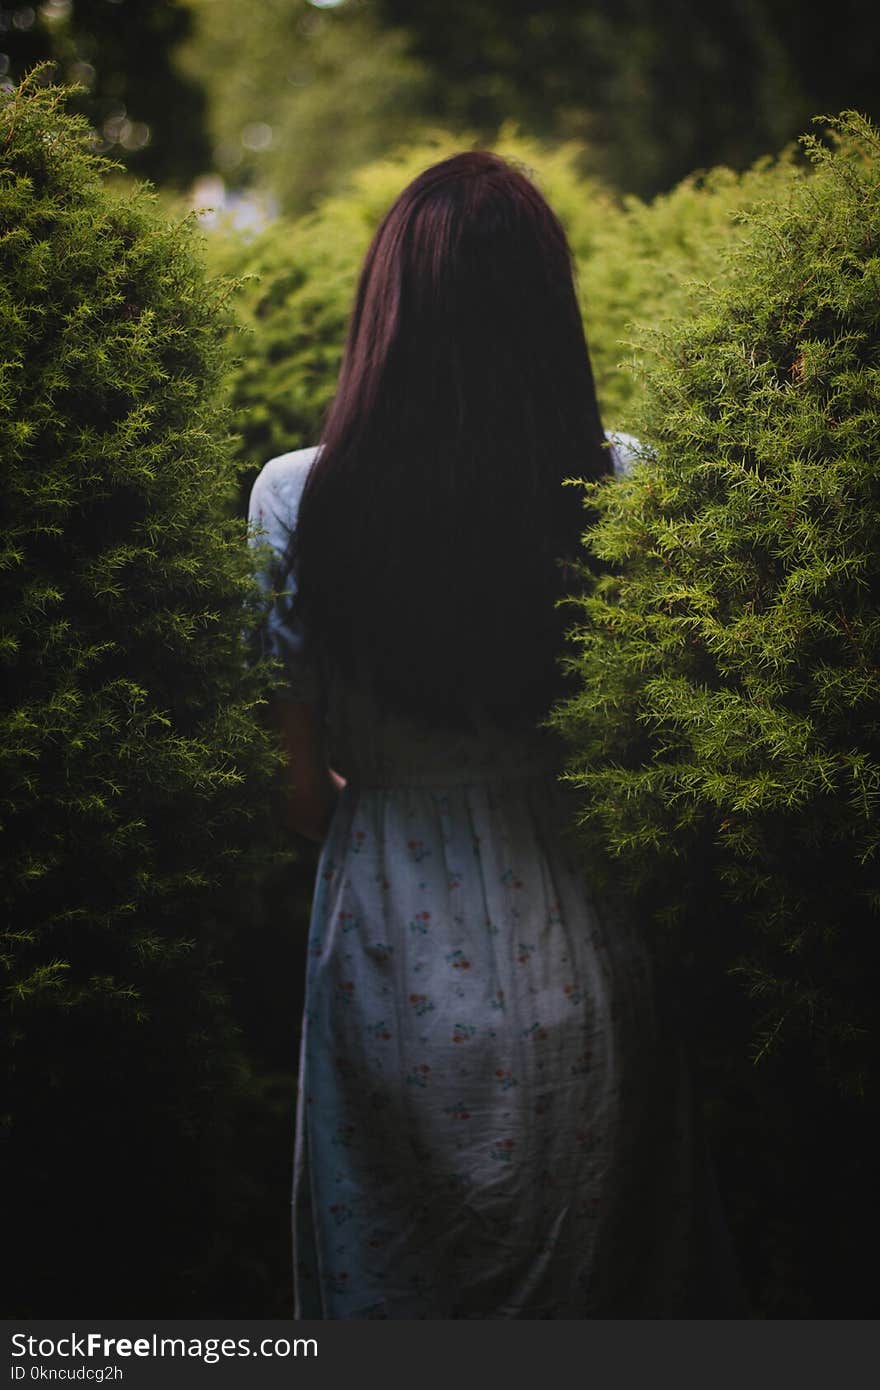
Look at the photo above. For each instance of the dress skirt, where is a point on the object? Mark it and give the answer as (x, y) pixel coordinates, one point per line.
(494, 1120)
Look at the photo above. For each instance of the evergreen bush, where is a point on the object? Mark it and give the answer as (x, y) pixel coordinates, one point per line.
(648, 264)
(730, 701)
(134, 765)
(725, 735)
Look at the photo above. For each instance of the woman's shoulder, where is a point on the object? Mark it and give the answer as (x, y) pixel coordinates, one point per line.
(626, 451)
(276, 493)
(281, 480)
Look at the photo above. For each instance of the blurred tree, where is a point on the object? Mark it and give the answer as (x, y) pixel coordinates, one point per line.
(657, 88)
(143, 110)
(300, 94)
(297, 93)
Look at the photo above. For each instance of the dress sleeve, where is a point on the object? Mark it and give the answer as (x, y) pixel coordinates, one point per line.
(626, 451)
(272, 516)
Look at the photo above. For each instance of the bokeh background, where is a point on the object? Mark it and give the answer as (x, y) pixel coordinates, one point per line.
(287, 97)
(153, 1028)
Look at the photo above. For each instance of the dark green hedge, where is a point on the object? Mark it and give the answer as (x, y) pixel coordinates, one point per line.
(730, 706)
(133, 761)
(726, 733)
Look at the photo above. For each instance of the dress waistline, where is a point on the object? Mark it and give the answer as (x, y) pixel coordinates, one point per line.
(458, 776)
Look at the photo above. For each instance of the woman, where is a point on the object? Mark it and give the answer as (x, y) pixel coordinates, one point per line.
(491, 1121)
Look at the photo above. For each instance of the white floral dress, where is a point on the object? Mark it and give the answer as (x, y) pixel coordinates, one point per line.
(492, 1121)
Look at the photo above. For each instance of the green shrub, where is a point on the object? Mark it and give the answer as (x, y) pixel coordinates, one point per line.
(132, 757)
(727, 733)
(648, 264)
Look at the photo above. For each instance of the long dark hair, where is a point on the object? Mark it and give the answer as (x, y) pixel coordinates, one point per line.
(434, 519)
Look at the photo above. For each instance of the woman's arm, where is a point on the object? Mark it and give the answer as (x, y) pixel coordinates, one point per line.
(312, 787)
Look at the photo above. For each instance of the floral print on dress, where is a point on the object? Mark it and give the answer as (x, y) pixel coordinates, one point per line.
(419, 1076)
(380, 1031)
(458, 1111)
(463, 1032)
(502, 1151)
(380, 951)
(420, 1004)
(534, 1033)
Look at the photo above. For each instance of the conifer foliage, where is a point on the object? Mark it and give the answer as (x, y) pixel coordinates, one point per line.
(131, 755)
(726, 733)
